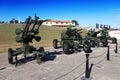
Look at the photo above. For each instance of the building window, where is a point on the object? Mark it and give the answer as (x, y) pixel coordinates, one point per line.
(46, 22)
(56, 22)
(61, 22)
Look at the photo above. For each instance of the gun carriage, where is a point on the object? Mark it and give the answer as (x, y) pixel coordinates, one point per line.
(71, 40)
(100, 38)
(25, 37)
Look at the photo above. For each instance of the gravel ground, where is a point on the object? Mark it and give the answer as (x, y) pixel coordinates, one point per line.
(59, 66)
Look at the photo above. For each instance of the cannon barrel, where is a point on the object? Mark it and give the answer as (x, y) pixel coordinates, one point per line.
(26, 29)
(36, 21)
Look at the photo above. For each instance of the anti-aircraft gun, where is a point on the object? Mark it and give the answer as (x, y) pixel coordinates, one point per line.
(95, 40)
(26, 37)
(71, 39)
(105, 34)
(103, 37)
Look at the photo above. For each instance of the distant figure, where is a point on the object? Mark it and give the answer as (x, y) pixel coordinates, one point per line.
(69, 30)
(69, 27)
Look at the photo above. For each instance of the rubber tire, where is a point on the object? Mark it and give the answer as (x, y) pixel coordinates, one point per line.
(40, 58)
(41, 49)
(92, 43)
(55, 41)
(66, 48)
(10, 55)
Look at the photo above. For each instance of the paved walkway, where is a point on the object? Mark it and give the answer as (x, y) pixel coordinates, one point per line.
(59, 66)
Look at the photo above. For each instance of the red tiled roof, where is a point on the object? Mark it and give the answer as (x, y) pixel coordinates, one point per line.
(57, 21)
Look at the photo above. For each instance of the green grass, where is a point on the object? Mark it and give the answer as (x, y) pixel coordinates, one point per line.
(7, 36)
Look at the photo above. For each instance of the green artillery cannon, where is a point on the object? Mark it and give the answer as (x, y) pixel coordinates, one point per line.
(95, 40)
(103, 38)
(105, 34)
(71, 39)
(26, 37)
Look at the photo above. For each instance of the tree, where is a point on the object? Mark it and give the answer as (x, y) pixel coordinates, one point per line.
(16, 21)
(76, 23)
(48, 19)
(13, 21)
(3, 21)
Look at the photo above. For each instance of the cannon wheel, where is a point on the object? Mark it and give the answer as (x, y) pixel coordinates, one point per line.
(92, 43)
(114, 40)
(66, 48)
(87, 47)
(41, 49)
(40, 57)
(55, 41)
(105, 42)
(10, 55)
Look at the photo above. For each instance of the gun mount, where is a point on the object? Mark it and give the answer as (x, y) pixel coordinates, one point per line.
(71, 40)
(103, 38)
(25, 37)
(105, 34)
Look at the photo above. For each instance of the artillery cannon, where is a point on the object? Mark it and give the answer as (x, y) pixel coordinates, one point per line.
(105, 34)
(103, 37)
(95, 40)
(71, 39)
(26, 37)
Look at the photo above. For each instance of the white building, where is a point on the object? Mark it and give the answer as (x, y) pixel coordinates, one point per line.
(58, 23)
(115, 33)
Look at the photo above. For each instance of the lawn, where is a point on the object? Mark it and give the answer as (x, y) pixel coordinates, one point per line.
(7, 36)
